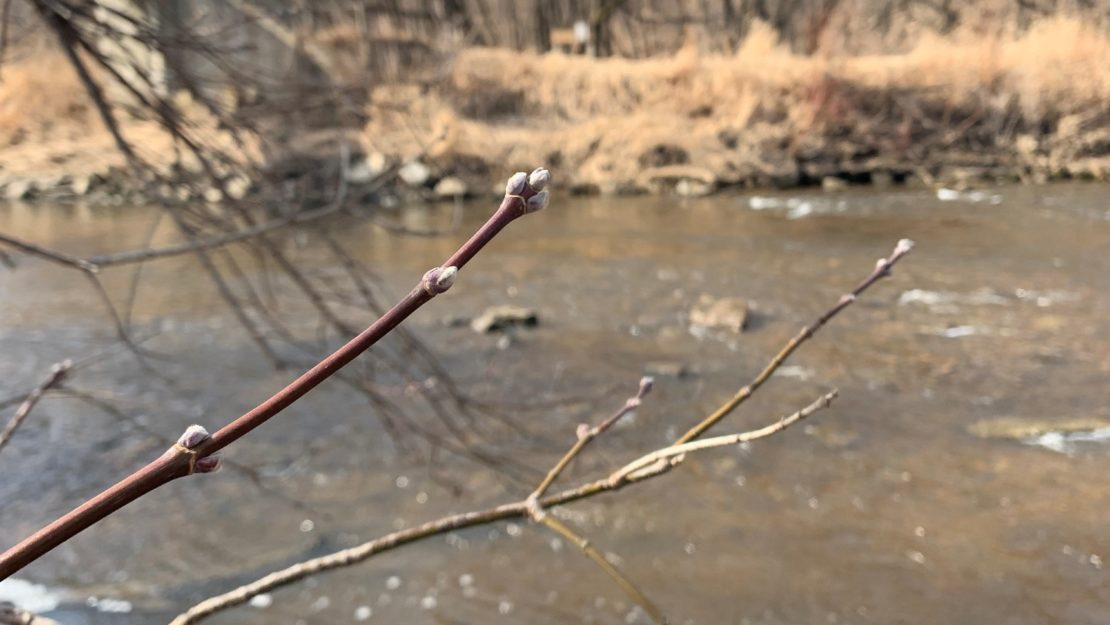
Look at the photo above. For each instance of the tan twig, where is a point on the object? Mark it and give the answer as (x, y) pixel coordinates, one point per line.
(882, 270)
(354, 555)
(57, 373)
(675, 452)
(608, 567)
(587, 434)
(536, 512)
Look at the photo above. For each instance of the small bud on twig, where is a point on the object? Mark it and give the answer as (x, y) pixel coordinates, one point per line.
(438, 279)
(646, 384)
(538, 202)
(194, 435)
(903, 247)
(516, 183)
(538, 179)
(207, 464)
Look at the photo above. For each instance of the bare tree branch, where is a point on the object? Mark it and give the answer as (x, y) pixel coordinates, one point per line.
(56, 375)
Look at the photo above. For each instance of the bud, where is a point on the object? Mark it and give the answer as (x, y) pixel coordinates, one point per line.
(646, 384)
(538, 202)
(438, 279)
(194, 435)
(538, 179)
(903, 247)
(207, 464)
(516, 183)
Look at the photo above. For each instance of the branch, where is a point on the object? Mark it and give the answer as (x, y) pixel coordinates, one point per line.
(650, 465)
(56, 375)
(354, 555)
(587, 434)
(882, 269)
(674, 453)
(195, 450)
(537, 514)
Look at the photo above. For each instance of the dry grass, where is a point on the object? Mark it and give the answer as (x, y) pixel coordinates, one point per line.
(41, 96)
(1033, 104)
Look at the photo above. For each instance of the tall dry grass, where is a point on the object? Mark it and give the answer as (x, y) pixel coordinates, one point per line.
(1034, 103)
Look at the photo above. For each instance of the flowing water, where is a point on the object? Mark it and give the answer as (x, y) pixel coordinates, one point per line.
(960, 477)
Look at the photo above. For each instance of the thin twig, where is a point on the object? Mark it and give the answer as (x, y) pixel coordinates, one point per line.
(587, 434)
(608, 567)
(882, 269)
(56, 375)
(676, 451)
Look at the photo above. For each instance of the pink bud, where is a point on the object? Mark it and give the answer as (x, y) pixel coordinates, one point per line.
(438, 279)
(538, 179)
(207, 464)
(538, 202)
(516, 183)
(194, 435)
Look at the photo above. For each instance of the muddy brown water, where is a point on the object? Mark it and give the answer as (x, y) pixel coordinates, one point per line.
(891, 507)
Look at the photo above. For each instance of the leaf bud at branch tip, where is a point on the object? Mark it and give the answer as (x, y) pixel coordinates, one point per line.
(516, 183)
(903, 247)
(194, 435)
(538, 179)
(538, 202)
(646, 384)
(438, 279)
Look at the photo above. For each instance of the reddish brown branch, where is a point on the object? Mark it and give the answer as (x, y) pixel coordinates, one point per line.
(523, 194)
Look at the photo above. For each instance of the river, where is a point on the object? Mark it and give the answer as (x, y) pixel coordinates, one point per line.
(957, 479)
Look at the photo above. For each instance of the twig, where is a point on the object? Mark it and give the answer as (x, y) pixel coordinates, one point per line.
(360, 553)
(53, 256)
(675, 452)
(536, 512)
(882, 269)
(587, 434)
(195, 449)
(56, 375)
(608, 567)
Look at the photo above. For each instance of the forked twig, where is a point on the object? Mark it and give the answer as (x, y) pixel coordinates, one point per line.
(360, 553)
(586, 434)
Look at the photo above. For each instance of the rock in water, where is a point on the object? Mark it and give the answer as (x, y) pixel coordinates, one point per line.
(450, 187)
(20, 189)
(414, 173)
(730, 313)
(498, 318)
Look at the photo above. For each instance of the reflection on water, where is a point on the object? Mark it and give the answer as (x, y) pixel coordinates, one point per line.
(887, 508)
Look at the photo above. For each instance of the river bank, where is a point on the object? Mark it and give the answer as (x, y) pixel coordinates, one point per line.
(954, 111)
